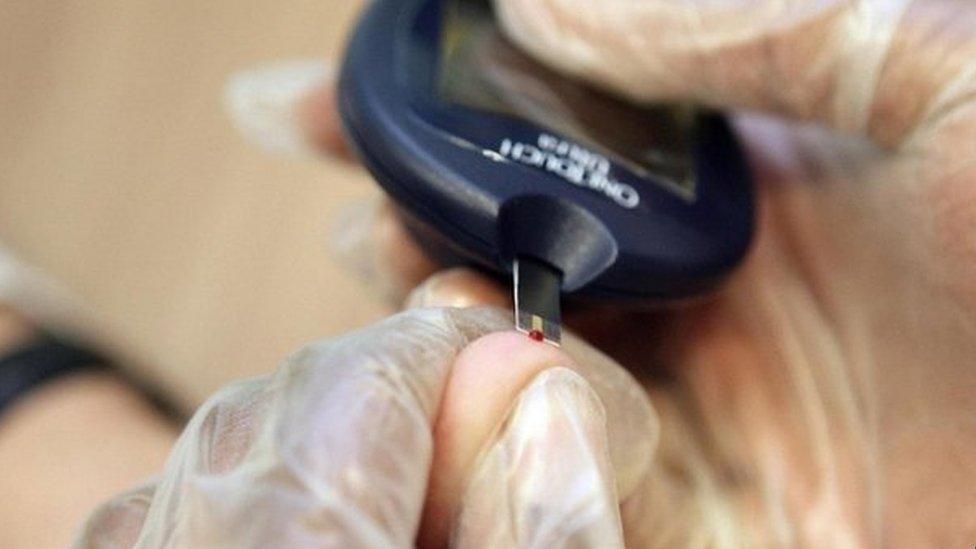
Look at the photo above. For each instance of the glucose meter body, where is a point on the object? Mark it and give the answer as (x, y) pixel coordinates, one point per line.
(492, 157)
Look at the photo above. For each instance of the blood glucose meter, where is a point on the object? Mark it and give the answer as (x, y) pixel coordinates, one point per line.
(496, 161)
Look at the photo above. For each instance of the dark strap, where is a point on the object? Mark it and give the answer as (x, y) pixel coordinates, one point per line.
(36, 363)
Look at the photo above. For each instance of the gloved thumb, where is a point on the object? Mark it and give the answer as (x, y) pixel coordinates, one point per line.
(546, 478)
(881, 68)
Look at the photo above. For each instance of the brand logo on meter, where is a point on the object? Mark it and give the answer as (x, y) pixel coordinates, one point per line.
(575, 164)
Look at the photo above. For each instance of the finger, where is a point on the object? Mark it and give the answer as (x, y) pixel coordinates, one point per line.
(486, 379)
(118, 522)
(547, 479)
(370, 240)
(335, 448)
(459, 287)
(289, 108)
(881, 68)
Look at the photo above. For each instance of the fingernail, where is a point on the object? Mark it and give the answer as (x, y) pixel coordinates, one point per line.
(264, 104)
(547, 479)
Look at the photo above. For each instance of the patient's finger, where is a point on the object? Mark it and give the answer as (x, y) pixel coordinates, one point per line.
(485, 380)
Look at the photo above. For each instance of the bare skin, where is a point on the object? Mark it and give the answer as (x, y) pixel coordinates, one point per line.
(67, 447)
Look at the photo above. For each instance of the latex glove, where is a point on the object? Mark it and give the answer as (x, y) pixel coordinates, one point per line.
(824, 397)
(336, 448)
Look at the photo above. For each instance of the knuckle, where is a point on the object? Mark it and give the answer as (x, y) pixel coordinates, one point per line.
(117, 522)
(224, 426)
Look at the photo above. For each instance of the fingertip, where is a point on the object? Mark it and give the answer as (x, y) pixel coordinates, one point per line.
(499, 365)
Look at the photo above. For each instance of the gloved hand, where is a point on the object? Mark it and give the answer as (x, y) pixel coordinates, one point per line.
(337, 448)
(824, 397)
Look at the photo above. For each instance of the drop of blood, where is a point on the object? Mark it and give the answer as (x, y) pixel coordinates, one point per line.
(537, 335)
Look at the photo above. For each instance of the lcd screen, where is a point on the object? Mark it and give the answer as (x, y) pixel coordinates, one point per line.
(481, 69)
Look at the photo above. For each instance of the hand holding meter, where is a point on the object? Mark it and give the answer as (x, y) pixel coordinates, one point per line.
(496, 161)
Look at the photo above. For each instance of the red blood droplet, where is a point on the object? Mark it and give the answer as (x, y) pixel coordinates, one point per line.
(537, 335)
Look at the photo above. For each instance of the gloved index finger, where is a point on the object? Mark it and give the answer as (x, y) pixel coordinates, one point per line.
(340, 451)
(352, 420)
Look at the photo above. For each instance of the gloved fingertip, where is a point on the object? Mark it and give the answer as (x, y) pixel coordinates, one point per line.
(558, 411)
(269, 106)
(458, 288)
(546, 479)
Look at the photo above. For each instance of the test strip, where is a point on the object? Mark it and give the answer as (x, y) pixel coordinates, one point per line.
(537, 287)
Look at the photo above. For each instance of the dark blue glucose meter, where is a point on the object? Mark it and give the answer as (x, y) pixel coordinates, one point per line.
(497, 161)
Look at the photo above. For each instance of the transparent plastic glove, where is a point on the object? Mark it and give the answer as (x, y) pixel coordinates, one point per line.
(336, 448)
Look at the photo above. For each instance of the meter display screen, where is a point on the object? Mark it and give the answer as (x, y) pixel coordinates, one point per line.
(481, 69)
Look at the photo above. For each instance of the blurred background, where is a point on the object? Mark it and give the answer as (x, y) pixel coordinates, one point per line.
(193, 255)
